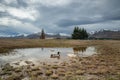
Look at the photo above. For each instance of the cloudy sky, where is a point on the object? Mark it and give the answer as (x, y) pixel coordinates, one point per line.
(58, 16)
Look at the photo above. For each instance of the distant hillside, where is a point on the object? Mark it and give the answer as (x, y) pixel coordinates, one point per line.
(106, 34)
(37, 35)
(48, 36)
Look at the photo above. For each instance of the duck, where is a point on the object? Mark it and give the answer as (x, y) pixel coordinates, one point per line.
(71, 55)
(56, 55)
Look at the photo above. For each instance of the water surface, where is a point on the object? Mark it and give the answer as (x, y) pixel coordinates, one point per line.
(44, 54)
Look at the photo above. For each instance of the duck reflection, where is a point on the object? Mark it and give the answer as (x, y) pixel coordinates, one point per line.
(76, 50)
(42, 48)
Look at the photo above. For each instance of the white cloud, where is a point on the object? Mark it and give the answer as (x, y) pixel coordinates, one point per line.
(64, 34)
(18, 25)
(21, 13)
(50, 2)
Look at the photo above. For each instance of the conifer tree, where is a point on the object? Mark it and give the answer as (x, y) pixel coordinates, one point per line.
(79, 33)
(42, 36)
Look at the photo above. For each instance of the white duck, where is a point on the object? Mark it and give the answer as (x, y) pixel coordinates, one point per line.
(71, 55)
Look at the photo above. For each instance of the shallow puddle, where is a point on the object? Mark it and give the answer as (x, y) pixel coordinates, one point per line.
(45, 54)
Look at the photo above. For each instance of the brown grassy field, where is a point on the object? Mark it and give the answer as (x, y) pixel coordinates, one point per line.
(103, 66)
(7, 44)
(13, 43)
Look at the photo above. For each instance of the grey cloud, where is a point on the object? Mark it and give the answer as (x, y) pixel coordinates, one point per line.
(77, 12)
(22, 3)
(14, 3)
(68, 23)
(109, 11)
(2, 14)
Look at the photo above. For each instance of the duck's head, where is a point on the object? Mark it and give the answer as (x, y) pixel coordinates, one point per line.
(58, 53)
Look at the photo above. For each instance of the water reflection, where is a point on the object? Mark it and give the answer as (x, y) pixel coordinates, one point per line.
(51, 56)
(8, 53)
(84, 51)
(46, 54)
(76, 50)
(42, 48)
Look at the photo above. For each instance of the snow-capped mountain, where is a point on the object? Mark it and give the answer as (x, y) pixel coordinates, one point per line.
(37, 35)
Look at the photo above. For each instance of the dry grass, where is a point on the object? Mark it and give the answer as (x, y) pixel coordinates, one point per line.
(106, 64)
(21, 43)
(7, 44)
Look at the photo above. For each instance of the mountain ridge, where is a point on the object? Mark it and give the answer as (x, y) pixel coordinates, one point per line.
(106, 34)
(37, 35)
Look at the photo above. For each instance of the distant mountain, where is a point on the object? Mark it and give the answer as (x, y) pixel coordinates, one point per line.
(48, 36)
(106, 34)
(33, 36)
(37, 35)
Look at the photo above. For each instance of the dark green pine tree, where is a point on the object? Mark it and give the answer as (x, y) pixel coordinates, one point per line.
(85, 34)
(79, 33)
(75, 34)
(42, 36)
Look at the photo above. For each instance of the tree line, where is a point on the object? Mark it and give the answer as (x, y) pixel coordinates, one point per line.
(78, 33)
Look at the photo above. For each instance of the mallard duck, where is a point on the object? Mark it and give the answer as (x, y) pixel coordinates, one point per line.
(56, 55)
